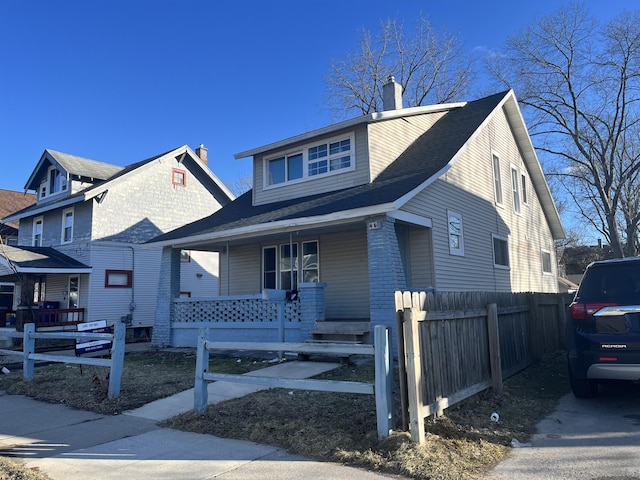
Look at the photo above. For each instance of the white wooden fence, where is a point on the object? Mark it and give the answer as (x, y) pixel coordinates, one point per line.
(115, 363)
(382, 388)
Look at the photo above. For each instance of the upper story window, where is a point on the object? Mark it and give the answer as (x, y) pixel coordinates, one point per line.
(179, 177)
(323, 158)
(37, 232)
(497, 179)
(523, 190)
(67, 225)
(55, 183)
(515, 188)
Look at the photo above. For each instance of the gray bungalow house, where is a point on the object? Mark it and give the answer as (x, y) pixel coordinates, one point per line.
(446, 197)
(79, 255)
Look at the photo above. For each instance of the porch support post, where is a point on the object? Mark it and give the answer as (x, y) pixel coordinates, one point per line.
(312, 307)
(386, 273)
(168, 290)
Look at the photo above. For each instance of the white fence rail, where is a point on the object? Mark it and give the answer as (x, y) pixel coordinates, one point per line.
(382, 388)
(115, 363)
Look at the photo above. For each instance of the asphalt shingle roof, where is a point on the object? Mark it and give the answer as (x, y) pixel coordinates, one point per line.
(12, 201)
(40, 258)
(428, 155)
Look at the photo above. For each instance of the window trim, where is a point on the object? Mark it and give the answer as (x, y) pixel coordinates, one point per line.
(64, 225)
(298, 259)
(500, 238)
(107, 276)
(37, 220)
(304, 151)
(175, 171)
(498, 189)
(460, 250)
(523, 188)
(544, 252)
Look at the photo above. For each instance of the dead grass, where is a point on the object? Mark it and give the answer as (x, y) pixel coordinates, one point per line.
(463, 444)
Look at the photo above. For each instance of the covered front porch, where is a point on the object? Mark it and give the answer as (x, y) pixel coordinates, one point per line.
(47, 287)
(337, 280)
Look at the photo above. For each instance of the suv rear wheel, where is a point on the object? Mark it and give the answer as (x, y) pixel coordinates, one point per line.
(583, 387)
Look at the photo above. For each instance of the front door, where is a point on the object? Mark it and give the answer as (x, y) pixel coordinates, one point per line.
(74, 291)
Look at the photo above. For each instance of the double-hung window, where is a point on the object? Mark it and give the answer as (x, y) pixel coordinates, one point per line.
(67, 226)
(282, 265)
(497, 179)
(515, 188)
(314, 160)
(37, 232)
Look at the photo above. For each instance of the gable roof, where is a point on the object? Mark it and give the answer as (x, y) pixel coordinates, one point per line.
(425, 160)
(72, 165)
(116, 174)
(12, 201)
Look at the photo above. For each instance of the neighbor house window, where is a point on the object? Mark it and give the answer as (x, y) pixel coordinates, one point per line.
(37, 232)
(281, 267)
(318, 159)
(515, 187)
(57, 181)
(500, 252)
(185, 256)
(497, 179)
(118, 279)
(546, 261)
(456, 243)
(179, 177)
(67, 225)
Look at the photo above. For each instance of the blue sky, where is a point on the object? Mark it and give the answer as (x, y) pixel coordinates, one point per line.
(120, 81)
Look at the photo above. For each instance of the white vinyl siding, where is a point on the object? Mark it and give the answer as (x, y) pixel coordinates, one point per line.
(468, 187)
(421, 265)
(344, 268)
(388, 139)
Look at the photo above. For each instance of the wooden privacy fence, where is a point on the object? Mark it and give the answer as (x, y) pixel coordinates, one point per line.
(382, 388)
(115, 363)
(454, 345)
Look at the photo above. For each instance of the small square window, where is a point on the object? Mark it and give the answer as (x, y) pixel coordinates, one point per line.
(118, 279)
(179, 177)
(500, 252)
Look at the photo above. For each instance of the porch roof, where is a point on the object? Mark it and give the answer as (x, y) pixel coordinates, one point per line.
(37, 260)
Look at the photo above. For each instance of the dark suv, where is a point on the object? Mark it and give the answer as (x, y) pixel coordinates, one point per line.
(603, 328)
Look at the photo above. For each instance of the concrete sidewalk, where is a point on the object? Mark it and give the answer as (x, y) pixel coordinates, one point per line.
(65, 443)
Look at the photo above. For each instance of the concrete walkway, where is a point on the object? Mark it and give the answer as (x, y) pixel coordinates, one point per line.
(65, 443)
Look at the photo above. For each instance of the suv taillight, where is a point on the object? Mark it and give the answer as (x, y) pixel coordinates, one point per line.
(584, 311)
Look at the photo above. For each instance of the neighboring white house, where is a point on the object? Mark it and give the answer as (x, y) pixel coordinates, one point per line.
(448, 197)
(79, 248)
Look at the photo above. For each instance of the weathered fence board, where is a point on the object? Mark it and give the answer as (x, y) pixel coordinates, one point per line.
(467, 342)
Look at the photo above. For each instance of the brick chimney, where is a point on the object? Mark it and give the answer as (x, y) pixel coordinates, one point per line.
(201, 151)
(391, 94)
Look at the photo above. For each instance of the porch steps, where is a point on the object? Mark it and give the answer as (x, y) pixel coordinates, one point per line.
(342, 331)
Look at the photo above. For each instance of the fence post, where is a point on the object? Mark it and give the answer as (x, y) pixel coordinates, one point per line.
(117, 360)
(200, 393)
(494, 348)
(414, 375)
(383, 381)
(28, 349)
(402, 366)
